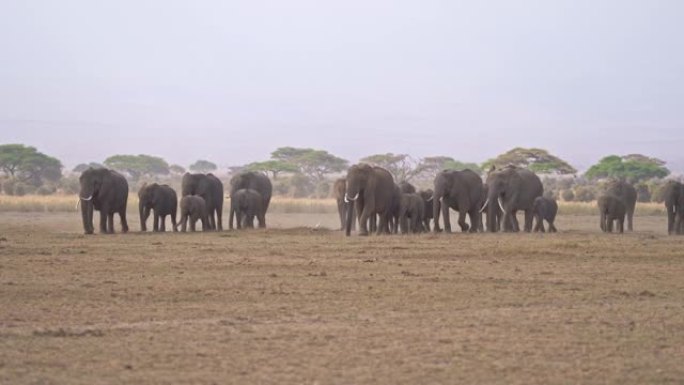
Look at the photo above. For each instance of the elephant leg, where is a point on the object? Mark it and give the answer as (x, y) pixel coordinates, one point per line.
(184, 222)
(124, 222)
(341, 212)
(671, 220)
(162, 223)
(219, 219)
(609, 224)
(515, 225)
(193, 223)
(445, 217)
(630, 216)
(155, 222)
(528, 221)
(239, 219)
(173, 222)
(110, 223)
(462, 220)
(103, 221)
(474, 216)
(364, 217)
(383, 225)
(212, 220)
(621, 225)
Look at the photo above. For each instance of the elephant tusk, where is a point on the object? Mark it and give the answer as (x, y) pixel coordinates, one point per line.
(86, 199)
(501, 205)
(430, 199)
(78, 204)
(347, 199)
(484, 206)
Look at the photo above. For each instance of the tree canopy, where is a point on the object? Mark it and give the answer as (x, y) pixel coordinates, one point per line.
(272, 166)
(535, 159)
(84, 166)
(203, 166)
(632, 167)
(28, 165)
(401, 166)
(138, 165)
(431, 165)
(177, 169)
(315, 164)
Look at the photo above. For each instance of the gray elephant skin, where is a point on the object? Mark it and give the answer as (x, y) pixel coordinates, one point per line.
(673, 192)
(406, 187)
(373, 192)
(339, 189)
(426, 195)
(246, 204)
(513, 189)
(611, 209)
(210, 188)
(193, 208)
(545, 209)
(461, 191)
(254, 181)
(162, 201)
(106, 191)
(628, 194)
(411, 213)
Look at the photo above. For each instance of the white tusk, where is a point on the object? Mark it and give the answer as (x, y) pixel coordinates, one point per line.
(430, 199)
(78, 204)
(501, 205)
(86, 199)
(347, 199)
(484, 206)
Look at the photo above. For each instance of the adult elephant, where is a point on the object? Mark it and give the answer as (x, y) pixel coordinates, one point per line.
(461, 191)
(673, 192)
(511, 188)
(339, 189)
(373, 192)
(162, 200)
(627, 193)
(106, 191)
(255, 181)
(210, 188)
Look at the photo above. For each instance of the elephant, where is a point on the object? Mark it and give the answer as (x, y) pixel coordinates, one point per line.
(406, 187)
(545, 209)
(339, 188)
(162, 200)
(411, 207)
(513, 188)
(673, 192)
(194, 208)
(612, 208)
(210, 188)
(246, 204)
(106, 191)
(255, 181)
(462, 191)
(627, 193)
(372, 191)
(426, 195)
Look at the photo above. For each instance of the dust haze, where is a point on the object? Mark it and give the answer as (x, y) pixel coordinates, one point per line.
(232, 81)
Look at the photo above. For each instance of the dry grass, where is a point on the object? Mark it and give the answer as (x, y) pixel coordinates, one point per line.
(305, 306)
(67, 203)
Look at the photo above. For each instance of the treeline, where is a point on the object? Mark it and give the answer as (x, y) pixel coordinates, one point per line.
(310, 173)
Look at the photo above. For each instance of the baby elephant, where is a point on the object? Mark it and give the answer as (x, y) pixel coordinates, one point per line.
(246, 204)
(193, 207)
(612, 209)
(411, 206)
(545, 209)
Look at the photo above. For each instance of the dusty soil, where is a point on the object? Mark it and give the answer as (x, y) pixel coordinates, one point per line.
(309, 306)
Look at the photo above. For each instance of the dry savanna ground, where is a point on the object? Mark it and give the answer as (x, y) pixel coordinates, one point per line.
(301, 304)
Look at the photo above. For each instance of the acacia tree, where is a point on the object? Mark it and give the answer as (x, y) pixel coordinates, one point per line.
(28, 165)
(275, 167)
(177, 169)
(536, 159)
(203, 166)
(315, 164)
(633, 167)
(84, 166)
(137, 166)
(402, 166)
(431, 165)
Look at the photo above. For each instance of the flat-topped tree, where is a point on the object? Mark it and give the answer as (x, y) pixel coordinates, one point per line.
(28, 165)
(535, 159)
(633, 168)
(203, 166)
(137, 166)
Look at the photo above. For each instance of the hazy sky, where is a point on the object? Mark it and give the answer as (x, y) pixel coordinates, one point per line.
(231, 81)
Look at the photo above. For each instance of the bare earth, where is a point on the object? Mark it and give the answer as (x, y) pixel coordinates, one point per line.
(309, 306)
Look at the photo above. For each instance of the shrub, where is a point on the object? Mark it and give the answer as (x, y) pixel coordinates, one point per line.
(568, 195)
(584, 194)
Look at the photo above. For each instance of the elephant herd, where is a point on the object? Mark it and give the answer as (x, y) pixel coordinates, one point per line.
(201, 200)
(368, 196)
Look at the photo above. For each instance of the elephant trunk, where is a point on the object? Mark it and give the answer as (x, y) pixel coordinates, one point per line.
(143, 217)
(492, 212)
(349, 207)
(87, 216)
